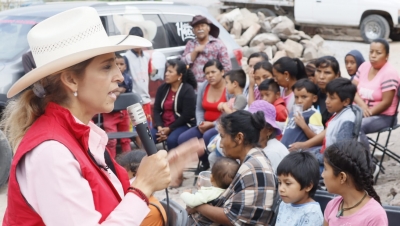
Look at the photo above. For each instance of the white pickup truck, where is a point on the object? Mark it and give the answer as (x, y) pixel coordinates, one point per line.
(375, 19)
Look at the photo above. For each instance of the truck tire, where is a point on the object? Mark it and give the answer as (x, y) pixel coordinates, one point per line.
(5, 159)
(373, 27)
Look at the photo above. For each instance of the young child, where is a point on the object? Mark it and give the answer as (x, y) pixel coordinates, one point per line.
(304, 126)
(222, 174)
(119, 120)
(353, 61)
(347, 173)
(262, 71)
(131, 161)
(253, 93)
(235, 83)
(310, 71)
(270, 92)
(298, 177)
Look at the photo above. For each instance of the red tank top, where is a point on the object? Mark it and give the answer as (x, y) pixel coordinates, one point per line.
(211, 112)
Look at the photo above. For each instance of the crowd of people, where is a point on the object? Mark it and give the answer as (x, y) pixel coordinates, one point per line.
(296, 126)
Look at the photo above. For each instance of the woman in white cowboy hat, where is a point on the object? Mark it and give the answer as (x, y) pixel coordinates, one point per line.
(61, 173)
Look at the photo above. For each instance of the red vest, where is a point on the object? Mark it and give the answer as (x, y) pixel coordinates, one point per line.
(58, 124)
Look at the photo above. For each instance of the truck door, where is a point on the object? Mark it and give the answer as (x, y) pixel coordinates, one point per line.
(336, 12)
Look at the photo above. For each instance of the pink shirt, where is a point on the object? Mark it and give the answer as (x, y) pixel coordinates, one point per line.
(371, 214)
(51, 181)
(289, 99)
(371, 91)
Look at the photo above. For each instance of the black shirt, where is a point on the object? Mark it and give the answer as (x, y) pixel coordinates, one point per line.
(321, 106)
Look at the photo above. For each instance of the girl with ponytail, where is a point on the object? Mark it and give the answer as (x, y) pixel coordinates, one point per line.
(286, 72)
(175, 104)
(347, 173)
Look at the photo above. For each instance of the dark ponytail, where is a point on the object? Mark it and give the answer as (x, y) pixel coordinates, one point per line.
(244, 122)
(294, 67)
(354, 159)
(181, 68)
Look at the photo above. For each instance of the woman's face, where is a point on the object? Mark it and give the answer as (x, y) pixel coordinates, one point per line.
(351, 64)
(171, 75)
(96, 88)
(231, 147)
(323, 75)
(377, 55)
(252, 62)
(331, 181)
(280, 78)
(266, 133)
(260, 75)
(213, 75)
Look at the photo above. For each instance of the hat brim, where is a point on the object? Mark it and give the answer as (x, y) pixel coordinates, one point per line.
(59, 64)
(214, 30)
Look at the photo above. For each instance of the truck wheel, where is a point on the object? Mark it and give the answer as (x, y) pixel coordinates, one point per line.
(394, 36)
(373, 27)
(5, 159)
(266, 12)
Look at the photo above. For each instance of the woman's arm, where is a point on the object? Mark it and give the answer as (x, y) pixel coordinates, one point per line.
(215, 214)
(157, 110)
(199, 104)
(326, 223)
(50, 176)
(387, 100)
(188, 99)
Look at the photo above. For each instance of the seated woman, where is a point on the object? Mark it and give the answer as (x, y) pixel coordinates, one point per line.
(248, 199)
(377, 82)
(209, 96)
(273, 148)
(175, 104)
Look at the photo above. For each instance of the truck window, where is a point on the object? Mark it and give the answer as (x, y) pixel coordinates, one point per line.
(13, 35)
(178, 28)
(150, 24)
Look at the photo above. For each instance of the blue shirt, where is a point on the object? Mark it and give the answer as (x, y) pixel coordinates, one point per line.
(307, 214)
(127, 83)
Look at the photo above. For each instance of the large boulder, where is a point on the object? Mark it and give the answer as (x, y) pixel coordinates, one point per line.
(269, 52)
(248, 35)
(304, 35)
(324, 51)
(285, 26)
(318, 40)
(266, 38)
(293, 49)
(247, 51)
(236, 30)
(248, 19)
(278, 55)
(231, 16)
(295, 38)
(280, 46)
(310, 53)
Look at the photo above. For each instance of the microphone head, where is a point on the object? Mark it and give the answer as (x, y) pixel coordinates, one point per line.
(136, 114)
(240, 102)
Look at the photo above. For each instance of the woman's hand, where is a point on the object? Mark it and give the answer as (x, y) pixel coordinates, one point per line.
(366, 112)
(299, 120)
(221, 106)
(153, 173)
(191, 210)
(204, 126)
(297, 146)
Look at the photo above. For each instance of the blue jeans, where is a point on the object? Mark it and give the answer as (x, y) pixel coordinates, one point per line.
(172, 140)
(195, 132)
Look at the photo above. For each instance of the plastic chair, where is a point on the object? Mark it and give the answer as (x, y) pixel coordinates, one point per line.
(323, 197)
(177, 215)
(383, 148)
(123, 101)
(393, 214)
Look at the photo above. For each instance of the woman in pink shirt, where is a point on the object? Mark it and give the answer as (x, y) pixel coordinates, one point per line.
(377, 83)
(62, 173)
(347, 173)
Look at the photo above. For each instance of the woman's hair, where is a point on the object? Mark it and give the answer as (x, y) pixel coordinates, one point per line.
(244, 122)
(264, 65)
(187, 74)
(384, 43)
(328, 61)
(215, 63)
(262, 55)
(131, 160)
(294, 67)
(23, 111)
(310, 68)
(354, 159)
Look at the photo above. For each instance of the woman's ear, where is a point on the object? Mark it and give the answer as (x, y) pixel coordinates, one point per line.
(343, 177)
(239, 138)
(69, 80)
(287, 75)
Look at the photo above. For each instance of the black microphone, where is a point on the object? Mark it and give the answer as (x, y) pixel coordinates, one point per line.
(138, 119)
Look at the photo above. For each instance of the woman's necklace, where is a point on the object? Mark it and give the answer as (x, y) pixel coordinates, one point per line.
(340, 213)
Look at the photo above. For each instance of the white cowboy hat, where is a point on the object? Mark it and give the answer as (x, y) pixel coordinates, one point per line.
(134, 18)
(69, 38)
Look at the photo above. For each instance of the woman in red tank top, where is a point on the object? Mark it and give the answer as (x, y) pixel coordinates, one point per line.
(209, 95)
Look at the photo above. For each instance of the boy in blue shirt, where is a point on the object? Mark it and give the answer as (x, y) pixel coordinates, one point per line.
(298, 177)
(304, 126)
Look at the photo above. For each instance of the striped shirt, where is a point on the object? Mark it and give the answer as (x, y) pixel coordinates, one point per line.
(248, 200)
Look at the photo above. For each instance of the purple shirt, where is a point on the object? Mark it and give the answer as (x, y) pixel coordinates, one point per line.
(215, 49)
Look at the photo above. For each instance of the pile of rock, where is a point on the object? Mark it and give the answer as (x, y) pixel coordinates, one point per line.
(276, 36)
